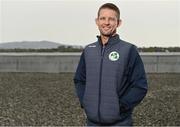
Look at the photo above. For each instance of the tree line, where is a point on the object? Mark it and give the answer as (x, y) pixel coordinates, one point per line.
(80, 49)
(159, 49)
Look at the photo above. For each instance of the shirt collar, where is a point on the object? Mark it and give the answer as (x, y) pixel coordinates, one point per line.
(112, 40)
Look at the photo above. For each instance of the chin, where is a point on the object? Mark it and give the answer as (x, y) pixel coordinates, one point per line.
(106, 34)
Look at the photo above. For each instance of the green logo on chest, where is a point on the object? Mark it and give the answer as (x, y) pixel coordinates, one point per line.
(113, 56)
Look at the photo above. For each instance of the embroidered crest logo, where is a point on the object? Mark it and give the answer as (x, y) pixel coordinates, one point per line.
(113, 56)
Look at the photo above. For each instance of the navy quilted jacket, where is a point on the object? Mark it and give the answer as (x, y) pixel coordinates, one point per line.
(110, 80)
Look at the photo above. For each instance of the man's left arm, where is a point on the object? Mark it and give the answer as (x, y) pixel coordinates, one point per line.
(137, 82)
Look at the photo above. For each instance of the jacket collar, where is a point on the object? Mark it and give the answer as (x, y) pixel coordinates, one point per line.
(112, 40)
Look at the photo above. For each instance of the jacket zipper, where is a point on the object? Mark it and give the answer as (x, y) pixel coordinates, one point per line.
(102, 56)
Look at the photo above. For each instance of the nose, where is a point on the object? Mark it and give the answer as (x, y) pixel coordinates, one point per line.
(106, 21)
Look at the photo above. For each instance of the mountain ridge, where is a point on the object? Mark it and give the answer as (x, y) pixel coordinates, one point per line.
(30, 45)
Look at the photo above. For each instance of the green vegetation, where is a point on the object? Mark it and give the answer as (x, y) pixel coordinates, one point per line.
(80, 49)
(59, 49)
(159, 49)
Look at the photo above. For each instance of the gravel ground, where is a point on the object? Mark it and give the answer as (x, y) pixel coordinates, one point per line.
(48, 99)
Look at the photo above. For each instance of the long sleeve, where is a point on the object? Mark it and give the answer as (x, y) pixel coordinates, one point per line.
(137, 82)
(80, 79)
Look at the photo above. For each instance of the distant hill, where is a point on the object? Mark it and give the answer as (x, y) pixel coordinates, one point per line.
(30, 45)
(48, 46)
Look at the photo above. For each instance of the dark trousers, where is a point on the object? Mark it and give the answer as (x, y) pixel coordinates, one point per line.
(126, 122)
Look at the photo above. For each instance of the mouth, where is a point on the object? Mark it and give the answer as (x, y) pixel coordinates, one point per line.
(106, 28)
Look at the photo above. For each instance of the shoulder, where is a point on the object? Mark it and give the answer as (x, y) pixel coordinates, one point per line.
(127, 44)
(91, 45)
(132, 48)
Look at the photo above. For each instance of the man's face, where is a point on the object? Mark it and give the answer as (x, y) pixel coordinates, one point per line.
(107, 22)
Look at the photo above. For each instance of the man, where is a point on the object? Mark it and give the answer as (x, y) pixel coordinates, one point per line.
(110, 79)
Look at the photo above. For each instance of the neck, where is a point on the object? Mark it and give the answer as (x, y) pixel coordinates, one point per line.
(105, 39)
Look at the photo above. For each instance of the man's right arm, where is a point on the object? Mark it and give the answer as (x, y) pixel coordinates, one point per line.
(80, 79)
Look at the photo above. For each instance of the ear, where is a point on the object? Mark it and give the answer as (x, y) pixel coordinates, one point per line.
(97, 22)
(119, 22)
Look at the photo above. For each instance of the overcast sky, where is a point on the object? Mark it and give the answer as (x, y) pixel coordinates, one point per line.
(144, 22)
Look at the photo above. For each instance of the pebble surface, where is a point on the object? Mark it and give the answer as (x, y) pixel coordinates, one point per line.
(49, 99)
